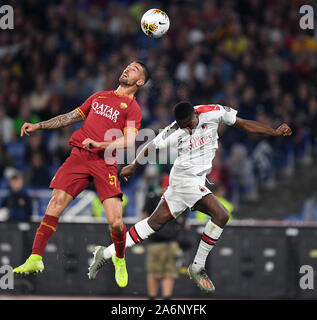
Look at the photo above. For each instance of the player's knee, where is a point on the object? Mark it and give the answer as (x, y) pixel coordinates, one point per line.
(156, 225)
(223, 217)
(116, 224)
(158, 221)
(59, 200)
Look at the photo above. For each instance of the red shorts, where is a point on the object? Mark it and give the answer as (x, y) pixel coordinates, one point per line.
(81, 168)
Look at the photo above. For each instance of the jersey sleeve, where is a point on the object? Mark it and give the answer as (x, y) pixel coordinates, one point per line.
(84, 109)
(228, 115)
(167, 137)
(134, 117)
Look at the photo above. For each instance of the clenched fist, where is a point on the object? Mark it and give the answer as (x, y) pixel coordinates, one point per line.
(127, 171)
(283, 130)
(91, 144)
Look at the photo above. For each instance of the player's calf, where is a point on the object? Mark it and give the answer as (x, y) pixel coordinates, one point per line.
(222, 218)
(119, 240)
(196, 270)
(137, 233)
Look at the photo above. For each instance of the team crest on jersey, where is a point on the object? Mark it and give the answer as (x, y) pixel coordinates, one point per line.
(123, 105)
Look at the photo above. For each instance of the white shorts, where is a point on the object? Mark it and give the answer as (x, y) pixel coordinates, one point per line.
(180, 196)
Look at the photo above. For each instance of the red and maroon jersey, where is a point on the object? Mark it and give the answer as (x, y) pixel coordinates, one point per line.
(104, 111)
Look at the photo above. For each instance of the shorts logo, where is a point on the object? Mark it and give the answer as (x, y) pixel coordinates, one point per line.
(123, 105)
(202, 189)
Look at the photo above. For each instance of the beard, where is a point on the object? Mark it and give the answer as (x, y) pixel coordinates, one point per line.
(126, 82)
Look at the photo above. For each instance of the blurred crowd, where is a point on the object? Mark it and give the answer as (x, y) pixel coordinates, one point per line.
(249, 55)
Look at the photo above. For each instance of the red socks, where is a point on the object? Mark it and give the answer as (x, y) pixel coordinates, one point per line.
(46, 229)
(118, 239)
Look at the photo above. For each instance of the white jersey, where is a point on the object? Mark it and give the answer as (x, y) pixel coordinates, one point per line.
(197, 150)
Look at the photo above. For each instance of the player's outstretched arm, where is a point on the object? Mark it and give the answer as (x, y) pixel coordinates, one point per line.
(258, 127)
(61, 121)
(129, 170)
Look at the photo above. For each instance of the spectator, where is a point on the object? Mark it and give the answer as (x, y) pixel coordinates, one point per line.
(247, 103)
(37, 175)
(241, 169)
(70, 97)
(312, 119)
(24, 115)
(191, 69)
(237, 43)
(273, 62)
(39, 98)
(16, 149)
(6, 126)
(84, 87)
(56, 82)
(163, 250)
(17, 202)
(34, 145)
(222, 68)
(5, 159)
(220, 173)
(59, 146)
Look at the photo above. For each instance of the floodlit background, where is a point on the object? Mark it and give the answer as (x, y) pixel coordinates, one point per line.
(249, 55)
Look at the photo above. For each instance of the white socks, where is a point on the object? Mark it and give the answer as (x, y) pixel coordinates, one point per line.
(208, 240)
(139, 232)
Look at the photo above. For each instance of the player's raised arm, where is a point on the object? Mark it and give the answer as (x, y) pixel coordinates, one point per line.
(61, 121)
(258, 127)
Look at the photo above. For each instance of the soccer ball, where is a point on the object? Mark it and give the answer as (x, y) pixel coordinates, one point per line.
(155, 23)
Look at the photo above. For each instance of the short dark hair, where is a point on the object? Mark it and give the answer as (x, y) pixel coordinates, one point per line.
(146, 70)
(183, 110)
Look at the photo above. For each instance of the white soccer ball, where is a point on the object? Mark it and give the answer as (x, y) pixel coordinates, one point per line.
(155, 23)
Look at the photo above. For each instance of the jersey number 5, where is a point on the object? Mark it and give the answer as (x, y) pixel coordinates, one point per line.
(113, 180)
